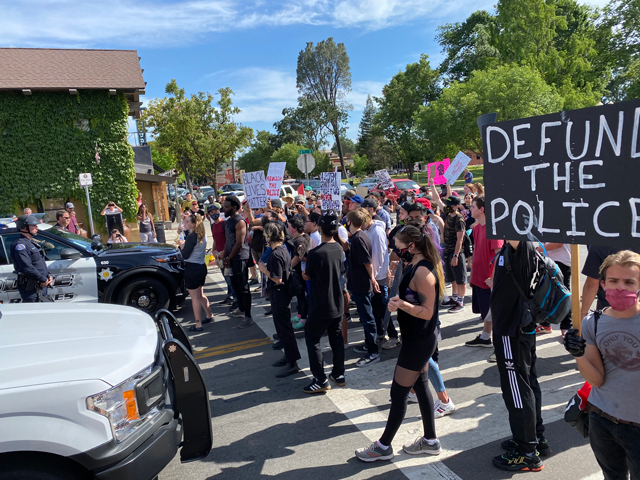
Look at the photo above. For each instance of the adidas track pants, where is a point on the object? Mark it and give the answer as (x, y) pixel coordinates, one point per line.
(516, 359)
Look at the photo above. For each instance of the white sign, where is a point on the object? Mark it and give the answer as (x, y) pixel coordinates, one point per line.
(85, 180)
(384, 178)
(330, 191)
(456, 167)
(274, 179)
(255, 187)
(311, 162)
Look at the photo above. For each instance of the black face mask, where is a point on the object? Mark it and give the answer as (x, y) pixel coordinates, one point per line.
(405, 255)
(214, 216)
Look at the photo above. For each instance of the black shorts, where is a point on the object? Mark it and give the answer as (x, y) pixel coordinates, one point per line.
(414, 356)
(195, 275)
(457, 274)
(480, 300)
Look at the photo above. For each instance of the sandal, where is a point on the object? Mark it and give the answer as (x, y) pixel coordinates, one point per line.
(193, 328)
(207, 320)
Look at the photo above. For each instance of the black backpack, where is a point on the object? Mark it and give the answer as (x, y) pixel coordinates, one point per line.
(550, 300)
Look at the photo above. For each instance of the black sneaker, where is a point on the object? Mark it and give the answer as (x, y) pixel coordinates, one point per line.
(288, 369)
(514, 461)
(458, 307)
(317, 387)
(233, 306)
(449, 303)
(338, 380)
(479, 342)
(369, 359)
(542, 448)
(277, 345)
(268, 312)
(226, 301)
(361, 349)
(281, 362)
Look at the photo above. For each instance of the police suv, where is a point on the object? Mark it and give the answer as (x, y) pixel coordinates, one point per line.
(146, 276)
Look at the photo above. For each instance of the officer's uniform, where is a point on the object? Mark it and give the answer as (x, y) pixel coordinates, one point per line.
(29, 262)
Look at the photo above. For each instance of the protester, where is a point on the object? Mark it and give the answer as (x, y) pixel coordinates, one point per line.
(110, 208)
(186, 203)
(484, 252)
(301, 242)
(278, 273)
(468, 176)
(323, 270)
(455, 266)
(219, 241)
(194, 248)
(194, 209)
(607, 358)
(27, 211)
(515, 347)
(362, 283)
(139, 199)
(417, 304)
(145, 224)
(117, 237)
(73, 222)
(236, 256)
(62, 220)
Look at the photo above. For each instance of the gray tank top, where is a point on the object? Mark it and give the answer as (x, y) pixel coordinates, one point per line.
(230, 232)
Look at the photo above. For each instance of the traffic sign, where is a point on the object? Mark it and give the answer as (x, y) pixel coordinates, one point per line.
(85, 180)
(306, 163)
(304, 151)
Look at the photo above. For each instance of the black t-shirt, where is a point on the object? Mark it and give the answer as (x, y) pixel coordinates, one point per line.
(506, 300)
(591, 267)
(392, 236)
(323, 266)
(359, 280)
(279, 265)
(303, 240)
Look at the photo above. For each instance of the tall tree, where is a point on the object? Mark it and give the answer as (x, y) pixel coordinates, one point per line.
(365, 136)
(259, 154)
(401, 100)
(323, 76)
(305, 125)
(200, 135)
(347, 146)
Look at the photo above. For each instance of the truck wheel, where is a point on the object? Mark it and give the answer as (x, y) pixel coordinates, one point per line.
(148, 295)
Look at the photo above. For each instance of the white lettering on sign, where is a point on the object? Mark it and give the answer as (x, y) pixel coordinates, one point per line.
(604, 126)
(573, 205)
(636, 126)
(587, 131)
(532, 169)
(517, 142)
(255, 189)
(543, 134)
(596, 225)
(583, 176)
(490, 158)
(634, 216)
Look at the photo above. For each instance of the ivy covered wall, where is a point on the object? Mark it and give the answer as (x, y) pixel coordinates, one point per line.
(47, 139)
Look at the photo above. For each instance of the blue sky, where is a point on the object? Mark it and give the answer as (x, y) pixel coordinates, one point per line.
(249, 45)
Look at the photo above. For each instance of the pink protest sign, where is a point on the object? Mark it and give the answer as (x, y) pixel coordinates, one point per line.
(436, 171)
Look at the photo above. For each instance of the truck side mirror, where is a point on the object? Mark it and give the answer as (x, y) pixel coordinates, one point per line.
(70, 254)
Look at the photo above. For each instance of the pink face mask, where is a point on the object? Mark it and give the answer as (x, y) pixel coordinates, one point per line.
(621, 300)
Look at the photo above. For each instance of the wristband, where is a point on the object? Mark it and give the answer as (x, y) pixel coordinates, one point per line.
(455, 254)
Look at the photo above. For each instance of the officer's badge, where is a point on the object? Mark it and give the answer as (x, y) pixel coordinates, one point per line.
(105, 274)
(20, 246)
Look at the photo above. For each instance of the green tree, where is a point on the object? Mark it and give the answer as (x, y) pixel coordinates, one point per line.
(323, 163)
(347, 146)
(512, 91)
(164, 159)
(259, 154)
(288, 153)
(323, 76)
(361, 165)
(200, 135)
(401, 100)
(365, 135)
(305, 125)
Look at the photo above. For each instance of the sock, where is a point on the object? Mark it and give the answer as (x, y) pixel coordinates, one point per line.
(384, 447)
(446, 298)
(454, 296)
(430, 442)
(485, 336)
(531, 454)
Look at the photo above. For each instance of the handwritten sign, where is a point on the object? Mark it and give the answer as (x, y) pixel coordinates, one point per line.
(568, 177)
(255, 189)
(274, 179)
(436, 171)
(330, 191)
(384, 178)
(457, 166)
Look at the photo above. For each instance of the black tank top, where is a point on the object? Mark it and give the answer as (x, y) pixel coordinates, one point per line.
(413, 328)
(230, 233)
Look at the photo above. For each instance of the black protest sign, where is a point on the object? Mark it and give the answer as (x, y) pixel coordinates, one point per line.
(568, 177)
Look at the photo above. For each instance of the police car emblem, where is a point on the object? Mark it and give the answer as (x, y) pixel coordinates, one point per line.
(105, 274)
(20, 246)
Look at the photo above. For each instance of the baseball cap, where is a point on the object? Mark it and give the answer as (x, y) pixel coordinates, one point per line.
(300, 199)
(424, 202)
(452, 201)
(374, 194)
(309, 189)
(328, 219)
(213, 206)
(405, 206)
(69, 205)
(349, 194)
(370, 203)
(357, 199)
(276, 202)
(455, 194)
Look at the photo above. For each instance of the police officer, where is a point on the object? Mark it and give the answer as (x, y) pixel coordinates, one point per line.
(28, 261)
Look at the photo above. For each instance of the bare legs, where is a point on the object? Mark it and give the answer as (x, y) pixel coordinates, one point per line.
(199, 302)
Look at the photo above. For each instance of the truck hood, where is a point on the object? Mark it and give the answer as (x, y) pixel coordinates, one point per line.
(137, 248)
(49, 343)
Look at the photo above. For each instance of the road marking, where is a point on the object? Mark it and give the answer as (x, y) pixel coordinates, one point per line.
(229, 345)
(230, 348)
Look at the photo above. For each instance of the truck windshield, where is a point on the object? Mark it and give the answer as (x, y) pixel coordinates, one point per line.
(78, 240)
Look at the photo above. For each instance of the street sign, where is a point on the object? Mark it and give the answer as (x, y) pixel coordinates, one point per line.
(305, 151)
(306, 163)
(85, 180)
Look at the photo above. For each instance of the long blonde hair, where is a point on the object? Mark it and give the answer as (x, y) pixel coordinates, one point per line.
(479, 188)
(424, 243)
(199, 230)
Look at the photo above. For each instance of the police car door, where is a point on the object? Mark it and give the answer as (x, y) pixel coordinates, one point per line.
(5, 268)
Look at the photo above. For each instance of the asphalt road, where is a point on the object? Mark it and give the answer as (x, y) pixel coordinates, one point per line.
(267, 427)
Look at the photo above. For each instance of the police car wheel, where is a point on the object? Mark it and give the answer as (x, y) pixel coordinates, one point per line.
(148, 295)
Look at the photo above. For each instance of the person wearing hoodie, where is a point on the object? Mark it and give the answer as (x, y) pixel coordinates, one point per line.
(376, 231)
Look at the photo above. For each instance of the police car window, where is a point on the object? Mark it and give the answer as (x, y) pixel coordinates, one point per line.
(78, 240)
(4, 253)
(8, 240)
(51, 247)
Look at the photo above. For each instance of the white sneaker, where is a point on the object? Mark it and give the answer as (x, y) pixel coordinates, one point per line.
(412, 398)
(492, 358)
(391, 343)
(441, 409)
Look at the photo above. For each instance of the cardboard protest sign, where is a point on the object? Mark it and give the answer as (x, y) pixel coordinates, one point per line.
(255, 189)
(568, 177)
(457, 166)
(384, 178)
(436, 171)
(330, 191)
(274, 179)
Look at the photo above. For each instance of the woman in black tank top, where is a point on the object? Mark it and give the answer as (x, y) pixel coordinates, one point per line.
(417, 304)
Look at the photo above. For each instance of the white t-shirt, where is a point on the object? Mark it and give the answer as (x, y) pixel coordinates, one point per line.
(315, 240)
(561, 255)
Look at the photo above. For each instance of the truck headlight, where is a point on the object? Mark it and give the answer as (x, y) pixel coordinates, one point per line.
(120, 405)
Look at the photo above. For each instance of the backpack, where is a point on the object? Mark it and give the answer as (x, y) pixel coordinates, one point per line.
(551, 300)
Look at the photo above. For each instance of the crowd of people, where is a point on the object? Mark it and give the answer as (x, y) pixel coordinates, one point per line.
(417, 246)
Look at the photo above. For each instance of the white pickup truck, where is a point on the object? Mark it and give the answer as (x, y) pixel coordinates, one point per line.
(97, 391)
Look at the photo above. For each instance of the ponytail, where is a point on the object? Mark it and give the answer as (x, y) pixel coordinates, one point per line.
(199, 230)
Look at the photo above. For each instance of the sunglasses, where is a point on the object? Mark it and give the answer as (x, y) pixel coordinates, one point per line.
(66, 218)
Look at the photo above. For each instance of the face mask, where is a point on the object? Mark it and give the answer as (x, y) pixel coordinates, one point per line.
(405, 255)
(214, 216)
(621, 300)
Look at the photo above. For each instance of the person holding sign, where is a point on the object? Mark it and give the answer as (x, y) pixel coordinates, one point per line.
(608, 357)
(455, 266)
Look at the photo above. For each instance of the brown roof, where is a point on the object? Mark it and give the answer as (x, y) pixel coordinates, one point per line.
(53, 69)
